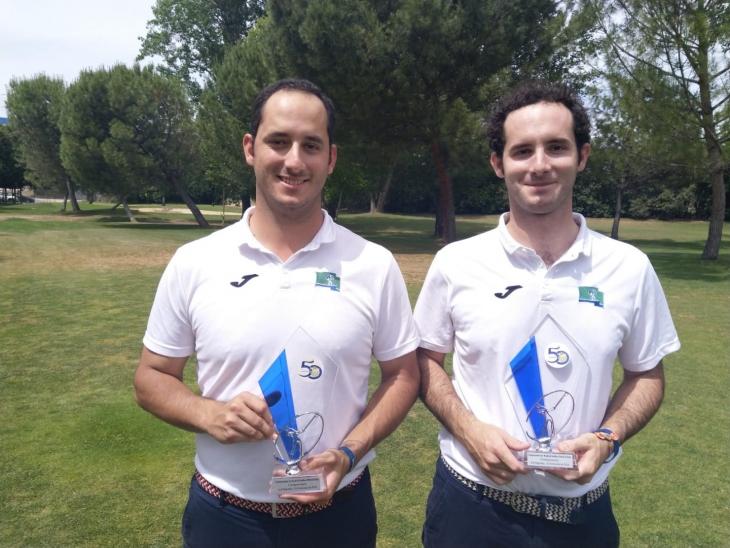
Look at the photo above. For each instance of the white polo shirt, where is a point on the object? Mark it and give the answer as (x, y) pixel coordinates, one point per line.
(484, 297)
(236, 305)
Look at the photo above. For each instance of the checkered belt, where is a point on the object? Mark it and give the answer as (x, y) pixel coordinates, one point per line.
(275, 509)
(560, 509)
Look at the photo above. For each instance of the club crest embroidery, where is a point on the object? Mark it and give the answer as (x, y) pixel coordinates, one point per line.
(327, 279)
(590, 295)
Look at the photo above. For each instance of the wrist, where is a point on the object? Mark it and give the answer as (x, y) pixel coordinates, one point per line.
(350, 456)
(608, 435)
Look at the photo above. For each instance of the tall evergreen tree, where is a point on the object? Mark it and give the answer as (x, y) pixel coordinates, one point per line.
(192, 36)
(34, 109)
(399, 67)
(11, 171)
(686, 41)
(125, 130)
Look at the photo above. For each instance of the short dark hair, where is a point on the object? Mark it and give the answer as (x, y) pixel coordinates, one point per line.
(538, 91)
(292, 84)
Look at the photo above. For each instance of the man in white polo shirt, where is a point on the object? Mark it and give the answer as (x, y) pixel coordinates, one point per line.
(535, 313)
(284, 278)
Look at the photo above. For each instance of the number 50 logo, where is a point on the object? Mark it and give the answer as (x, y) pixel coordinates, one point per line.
(309, 370)
(556, 356)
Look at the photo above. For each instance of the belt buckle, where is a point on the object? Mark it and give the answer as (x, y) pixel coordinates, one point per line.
(275, 510)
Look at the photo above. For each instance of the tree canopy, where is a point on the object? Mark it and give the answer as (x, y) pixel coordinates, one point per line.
(34, 109)
(192, 36)
(686, 42)
(125, 130)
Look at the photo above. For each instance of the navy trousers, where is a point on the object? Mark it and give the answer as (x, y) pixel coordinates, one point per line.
(350, 521)
(458, 517)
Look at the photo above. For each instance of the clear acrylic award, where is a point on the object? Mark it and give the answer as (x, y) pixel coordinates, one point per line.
(301, 377)
(546, 383)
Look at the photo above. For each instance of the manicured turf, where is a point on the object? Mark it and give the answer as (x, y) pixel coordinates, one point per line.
(83, 466)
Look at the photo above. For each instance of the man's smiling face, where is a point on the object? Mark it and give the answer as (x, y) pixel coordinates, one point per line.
(291, 155)
(540, 160)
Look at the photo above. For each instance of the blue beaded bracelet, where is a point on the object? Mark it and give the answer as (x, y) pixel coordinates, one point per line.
(350, 456)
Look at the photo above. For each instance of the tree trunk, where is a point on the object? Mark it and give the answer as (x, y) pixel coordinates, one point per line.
(373, 203)
(617, 211)
(65, 200)
(712, 143)
(717, 213)
(183, 193)
(223, 214)
(383, 195)
(446, 220)
(244, 199)
(128, 211)
(70, 188)
(333, 206)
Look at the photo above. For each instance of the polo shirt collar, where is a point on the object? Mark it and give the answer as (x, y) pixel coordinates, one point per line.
(324, 235)
(581, 245)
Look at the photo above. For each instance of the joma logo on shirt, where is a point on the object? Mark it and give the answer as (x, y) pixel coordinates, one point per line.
(508, 291)
(244, 280)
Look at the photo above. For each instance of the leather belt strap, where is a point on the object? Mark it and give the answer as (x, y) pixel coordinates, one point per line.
(275, 509)
(559, 509)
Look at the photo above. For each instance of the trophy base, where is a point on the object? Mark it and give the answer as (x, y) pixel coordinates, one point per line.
(282, 483)
(549, 460)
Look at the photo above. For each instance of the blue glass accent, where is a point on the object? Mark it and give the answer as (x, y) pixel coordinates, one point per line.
(526, 372)
(276, 388)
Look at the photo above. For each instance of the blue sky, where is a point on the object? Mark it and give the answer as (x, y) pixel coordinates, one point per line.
(61, 37)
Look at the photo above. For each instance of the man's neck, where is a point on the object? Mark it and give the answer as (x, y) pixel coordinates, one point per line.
(548, 235)
(283, 236)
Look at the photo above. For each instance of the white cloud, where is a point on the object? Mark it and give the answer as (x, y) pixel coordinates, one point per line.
(62, 37)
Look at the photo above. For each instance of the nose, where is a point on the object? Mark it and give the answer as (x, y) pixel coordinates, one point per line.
(541, 161)
(294, 161)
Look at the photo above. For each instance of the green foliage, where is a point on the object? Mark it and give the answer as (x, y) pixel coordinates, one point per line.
(127, 130)
(225, 172)
(11, 172)
(34, 108)
(636, 153)
(246, 68)
(655, 44)
(192, 36)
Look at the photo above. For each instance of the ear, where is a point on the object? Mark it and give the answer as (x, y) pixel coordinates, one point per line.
(496, 162)
(332, 160)
(247, 146)
(583, 154)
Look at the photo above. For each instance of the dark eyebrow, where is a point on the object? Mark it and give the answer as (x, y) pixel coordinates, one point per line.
(276, 135)
(520, 145)
(284, 135)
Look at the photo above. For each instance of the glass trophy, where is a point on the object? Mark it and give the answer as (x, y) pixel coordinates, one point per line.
(546, 383)
(290, 449)
(547, 417)
(302, 376)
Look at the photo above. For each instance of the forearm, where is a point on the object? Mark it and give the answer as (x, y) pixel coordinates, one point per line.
(635, 402)
(169, 399)
(388, 405)
(438, 394)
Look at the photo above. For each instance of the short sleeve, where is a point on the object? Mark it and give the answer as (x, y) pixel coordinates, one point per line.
(652, 334)
(395, 331)
(433, 313)
(169, 331)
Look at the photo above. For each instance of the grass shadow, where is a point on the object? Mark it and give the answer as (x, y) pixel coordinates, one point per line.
(689, 266)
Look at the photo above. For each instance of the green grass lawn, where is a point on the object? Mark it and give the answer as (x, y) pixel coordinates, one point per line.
(83, 466)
